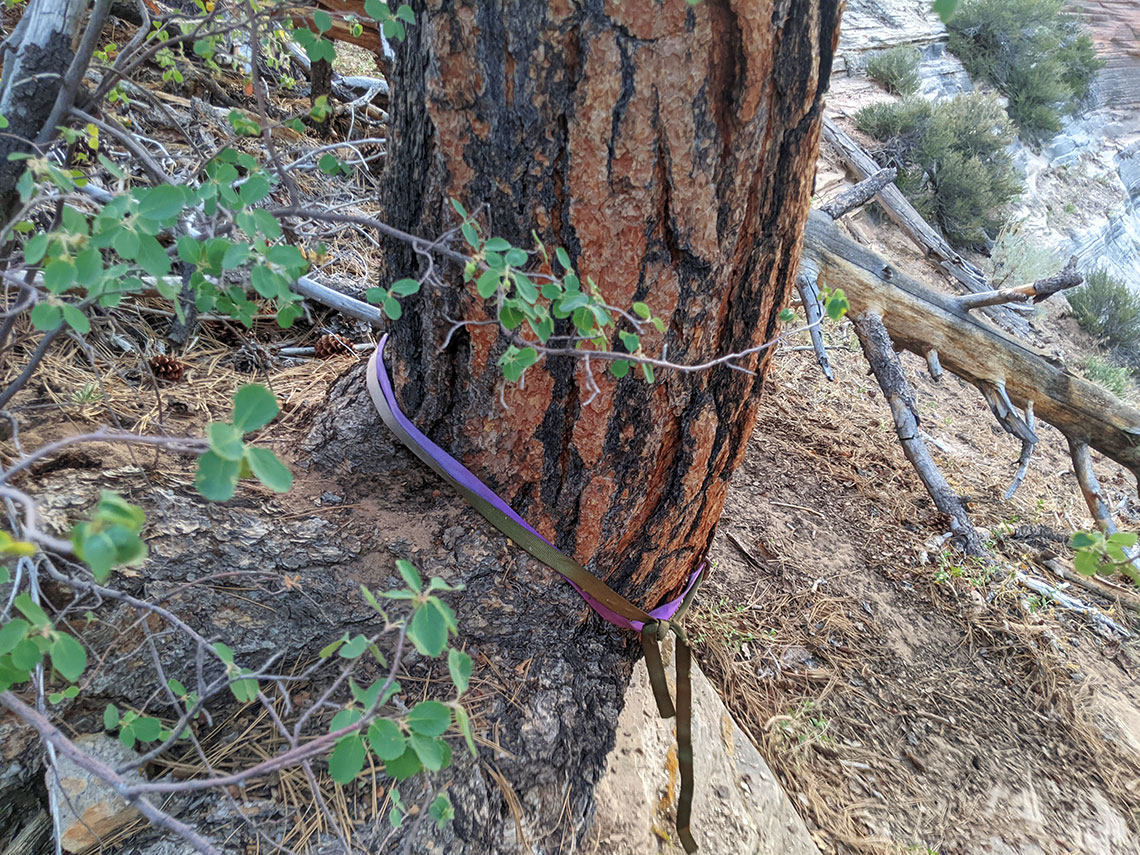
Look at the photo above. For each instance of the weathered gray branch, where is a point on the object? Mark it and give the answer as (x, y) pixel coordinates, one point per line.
(860, 194)
(1004, 410)
(919, 319)
(1027, 447)
(885, 365)
(1090, 487)
(903, 213)
(933, 365)
(1034, 292)
(809, 295)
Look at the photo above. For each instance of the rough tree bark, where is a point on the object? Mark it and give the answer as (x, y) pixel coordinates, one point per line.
(671, 150)
(35, 58)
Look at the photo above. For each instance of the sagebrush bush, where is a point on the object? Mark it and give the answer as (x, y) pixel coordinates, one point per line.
(1107, 308)
(887, 120)
(1038, 55)
(1108, 374)
(896, 69)
(952, 159)
(1017, 260)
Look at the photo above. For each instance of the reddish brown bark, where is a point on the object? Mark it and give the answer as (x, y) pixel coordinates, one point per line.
(671, 150)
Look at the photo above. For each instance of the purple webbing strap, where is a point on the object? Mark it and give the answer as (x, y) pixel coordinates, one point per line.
(457, 472)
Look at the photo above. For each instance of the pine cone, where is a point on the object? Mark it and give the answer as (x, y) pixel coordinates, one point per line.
(167, 368)
(332, 345)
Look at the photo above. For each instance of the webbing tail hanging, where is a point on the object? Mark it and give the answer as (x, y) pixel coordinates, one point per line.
(652, 625)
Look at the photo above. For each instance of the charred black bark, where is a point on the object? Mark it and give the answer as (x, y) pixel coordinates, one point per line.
(35, 61)
(586, 125)
(690, 192)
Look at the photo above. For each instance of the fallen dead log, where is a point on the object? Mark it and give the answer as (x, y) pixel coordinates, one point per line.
(901, 211)
(1003, 367)
(904, 214)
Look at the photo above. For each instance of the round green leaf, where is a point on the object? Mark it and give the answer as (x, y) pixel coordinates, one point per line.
(347, 759)
(410, 575)
(254, 407)
(386, 740)
(26, 655)
(147, 729)
(45, 316)
(430, 751)
(225, 440)
(459, 664)
(345, 718)
(152, 256)
(76, 319)
(35, 248)
(68, 656)
(354, 648)
(59, 275)
(406, 287)
(429, 718)
(161, 202)
(268, 469)
(428, 631)
(30, 609)
(12, 633)
(217, 477)
(110, 717)
(404, 766)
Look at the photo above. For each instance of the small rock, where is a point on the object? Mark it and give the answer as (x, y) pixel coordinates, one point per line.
(330, 498)
(89, 810)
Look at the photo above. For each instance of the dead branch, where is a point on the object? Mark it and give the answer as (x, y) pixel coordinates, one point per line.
(860, 194)
(1005, 412)
(903, 213)
(933, 365)
(1090, 487)
(1027, 447)
(885, 365)
(1103, 624)
(1034, 292)
(919, 319)
(813, 309)
(1094, 498)
(1095, 584)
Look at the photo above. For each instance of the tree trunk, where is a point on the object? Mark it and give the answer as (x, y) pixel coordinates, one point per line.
(35, 61)
(671, 150)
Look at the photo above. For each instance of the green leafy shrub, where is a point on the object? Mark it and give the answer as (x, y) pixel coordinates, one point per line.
(896, 69)
(952, 160)
(1038, 55)
(1108, 374)
(1108, 309)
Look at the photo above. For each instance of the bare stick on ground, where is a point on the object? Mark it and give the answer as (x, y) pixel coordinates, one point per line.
(860, 194)
(1027, 447)
(885, 365)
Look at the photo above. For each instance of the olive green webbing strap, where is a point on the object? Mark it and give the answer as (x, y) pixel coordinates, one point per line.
(593, 589)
